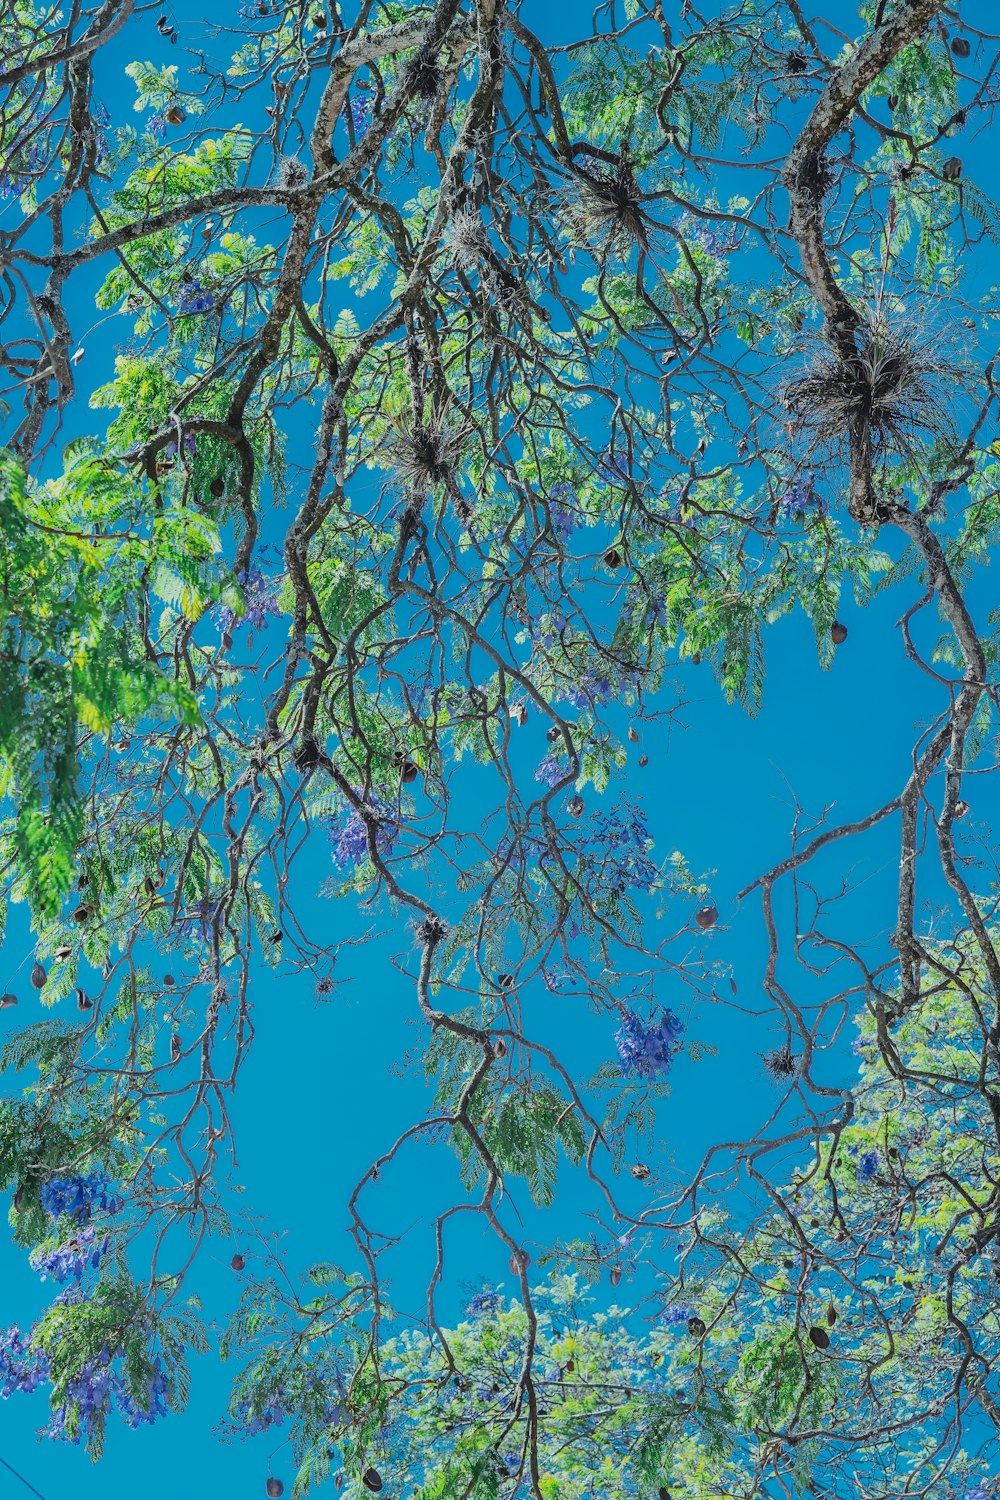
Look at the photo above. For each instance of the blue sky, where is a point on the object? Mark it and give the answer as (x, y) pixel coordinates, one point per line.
(319, 1096)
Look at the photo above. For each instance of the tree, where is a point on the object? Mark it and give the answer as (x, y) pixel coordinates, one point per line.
(609, 394)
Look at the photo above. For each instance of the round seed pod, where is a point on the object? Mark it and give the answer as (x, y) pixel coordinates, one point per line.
(505, 981)
(952, 169)
(960, 46)
(893, 101)
(616, 1275)
(697, 1327)
(238, 1262)
(663, 1493)
(819, 1337)
(838, 633)
(82, 913)
(274, 1488)
(612, 558)
(61, 954)
(961, 808)
(500, 1047)
(176, 116)
(575, 806)
(643, 760)
(640, 1171)
(706, 916)
(169, 981)
(372, 1480)
(553, 734)
(38, 976)
(319, 21)
(633, 734)
(409, 771)
(6, 1001)
(217, 486)
(83, 1001)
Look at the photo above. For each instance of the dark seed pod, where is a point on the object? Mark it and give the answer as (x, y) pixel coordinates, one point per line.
(38, 976)
(616, 1275)
(952, 169)
(307, 756)
(6, 1001)
(838, 633)
(697, 1327)
(575, 806)
(176, 115)
(61, 954)
(274, 1488)
(706, 916)
(81, 914)
(217, 486)
(505, 981)
(169, 981)
(553, 734)
(960, 47)
(277, 937)
(372, 1480)
(500, 1047)
(408, 771)
(83, 1001)
(961, 808)
(820, 1338)
(663, 1493)
(238, 1262)
(831, 1315)
(319, 21)
(19, 1198)
(795, 62)
(163, 23)
(640, 1171)
(893, 101)
(633, 735)
(613, 558)
(643, 760)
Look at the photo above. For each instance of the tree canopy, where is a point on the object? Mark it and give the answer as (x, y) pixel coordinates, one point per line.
(407, 407)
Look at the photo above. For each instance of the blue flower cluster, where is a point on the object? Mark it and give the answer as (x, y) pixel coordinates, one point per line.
(70, 1260)
(361, 113)
(706, 238)
(979, 1493)
(200, 919)
(648, 1050)
(77, 1197)
(616, 851)
(157, 125)
(349, 835)
(190, 445)
(95, 1389)
(22, 1368)
(194, 298)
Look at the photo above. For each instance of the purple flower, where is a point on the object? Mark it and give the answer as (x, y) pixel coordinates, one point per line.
(260, 1419)
(564, 519)
(616, 851)
(647, 1051)
(260, 596)
(157, 125)
(22, 1368)
(361, 113)
(201, 919)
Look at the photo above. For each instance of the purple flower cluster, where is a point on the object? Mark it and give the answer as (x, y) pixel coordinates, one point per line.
(647, 1051)
(194, 298)
(799, 499)
(93, 1390)
(349, 834)
(22, 1368)
(706, 238)
(617, 851)
(69, 1261)
(190, 445)
(564, 519)
(200, 919)
(551, 770)
(868, 1165)
(260, 596)
(77, 1197)
(361, 113)
(486, 1301)
(673, 1315)
(614, 467)
(979, 1493)
(157, 125)
(265, 1417)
